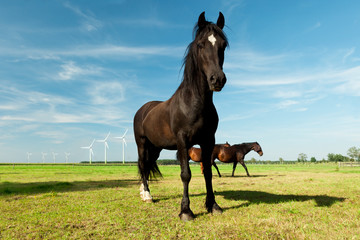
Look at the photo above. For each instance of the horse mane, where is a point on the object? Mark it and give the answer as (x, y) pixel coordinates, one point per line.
(190, 56)
(244, 144)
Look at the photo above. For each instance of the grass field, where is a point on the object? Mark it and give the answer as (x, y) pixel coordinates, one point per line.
(102, 202)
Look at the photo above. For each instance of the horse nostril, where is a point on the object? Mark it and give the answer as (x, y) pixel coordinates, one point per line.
(213, 78)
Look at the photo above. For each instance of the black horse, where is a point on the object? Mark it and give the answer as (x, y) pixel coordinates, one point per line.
(189, 117)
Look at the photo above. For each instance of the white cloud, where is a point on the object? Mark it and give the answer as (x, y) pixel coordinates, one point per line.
(287, 103)
(71, 70)
(89, 22)
(115, 50)
(231, 5)
(345, 79)
(349, 81)
(313, 27)
(107, 93)
(348, 53)
(287, 94)
(250, 60)
(8, 107)
(15, 118)
(95, 51)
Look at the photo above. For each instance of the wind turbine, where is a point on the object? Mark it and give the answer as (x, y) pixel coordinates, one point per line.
(54, 156)
(43, 156)
(123, 143)
(28, 156)
(91, 153)
(106, 145)
(67, 156)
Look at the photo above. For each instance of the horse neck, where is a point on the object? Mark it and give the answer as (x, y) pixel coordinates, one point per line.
(246, 147)
(194, 80)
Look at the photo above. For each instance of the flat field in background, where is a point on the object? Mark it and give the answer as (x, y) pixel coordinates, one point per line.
(315, 201)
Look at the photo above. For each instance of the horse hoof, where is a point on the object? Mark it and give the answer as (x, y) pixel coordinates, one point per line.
(146, 197)
(186, 216)
(216, 210)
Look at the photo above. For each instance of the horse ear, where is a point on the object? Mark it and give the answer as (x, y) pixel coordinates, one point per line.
(221, 21)
(202, 20)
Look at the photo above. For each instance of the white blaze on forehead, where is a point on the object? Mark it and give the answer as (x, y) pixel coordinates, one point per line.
(212, 39)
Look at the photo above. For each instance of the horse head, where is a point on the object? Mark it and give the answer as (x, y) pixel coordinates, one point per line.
(210, 43)
(257, 148)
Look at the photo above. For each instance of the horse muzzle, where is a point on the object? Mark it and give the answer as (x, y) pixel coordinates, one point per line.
(217, 82)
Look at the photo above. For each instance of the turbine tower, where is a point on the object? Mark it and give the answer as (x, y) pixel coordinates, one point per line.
(43, 156)
(91, 153)
(67, 156)
(105, 145)
(124, 144)
(54, 156)
(28, 156)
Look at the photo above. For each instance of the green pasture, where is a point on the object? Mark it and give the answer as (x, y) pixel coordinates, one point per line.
(300, 201)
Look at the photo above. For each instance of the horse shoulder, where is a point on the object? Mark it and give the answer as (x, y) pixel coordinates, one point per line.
(239, 156)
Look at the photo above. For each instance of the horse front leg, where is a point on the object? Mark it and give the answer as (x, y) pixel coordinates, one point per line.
(210, 203)
(182, 154)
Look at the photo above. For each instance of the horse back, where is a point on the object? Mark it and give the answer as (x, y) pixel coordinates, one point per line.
(145, 109)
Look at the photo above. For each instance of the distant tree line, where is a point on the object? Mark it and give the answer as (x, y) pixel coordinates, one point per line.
(353, 154)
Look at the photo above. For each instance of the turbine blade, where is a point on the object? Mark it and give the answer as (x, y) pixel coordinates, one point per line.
(107, 136)
(125, 133)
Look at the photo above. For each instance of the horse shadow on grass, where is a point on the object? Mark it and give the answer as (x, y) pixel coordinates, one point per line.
(9, 188)
(244, 176)
(259, 197)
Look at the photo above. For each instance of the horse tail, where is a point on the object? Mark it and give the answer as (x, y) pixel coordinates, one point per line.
(147, 166)
(148, 153)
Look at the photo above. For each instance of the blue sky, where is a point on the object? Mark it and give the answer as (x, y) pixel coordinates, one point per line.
(71, 71)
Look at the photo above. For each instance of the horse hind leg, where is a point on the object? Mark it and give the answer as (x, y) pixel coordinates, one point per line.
(234, 167)
(144, 173)
(144, 186)
(147, 168)
(217, 169)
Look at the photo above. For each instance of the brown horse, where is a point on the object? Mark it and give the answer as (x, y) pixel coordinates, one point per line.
(231, 154)
(195, 153)
(188, 118)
